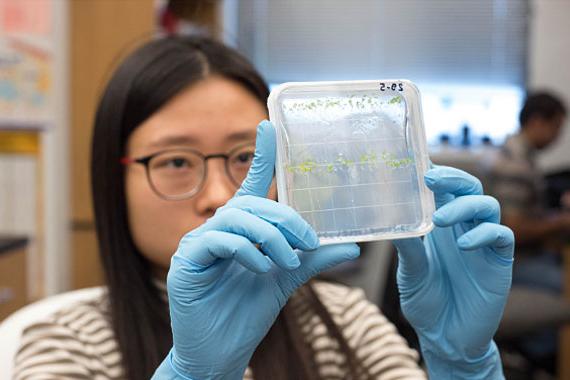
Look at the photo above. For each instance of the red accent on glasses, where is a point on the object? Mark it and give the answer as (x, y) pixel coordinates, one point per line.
(127, 160)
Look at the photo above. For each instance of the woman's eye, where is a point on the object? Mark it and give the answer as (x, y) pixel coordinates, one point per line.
(244, 158)
(175, 163)
(178, 163)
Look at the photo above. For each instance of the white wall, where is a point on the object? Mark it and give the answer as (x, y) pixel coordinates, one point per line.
(18, 206)
(549, 66)
(55, 151)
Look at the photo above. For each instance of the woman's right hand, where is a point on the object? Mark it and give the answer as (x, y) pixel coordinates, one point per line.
(230, 277)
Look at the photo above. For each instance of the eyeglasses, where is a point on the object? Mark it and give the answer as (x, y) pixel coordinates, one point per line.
(177, 174)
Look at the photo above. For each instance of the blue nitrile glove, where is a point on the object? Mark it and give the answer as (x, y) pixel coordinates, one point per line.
(224, 293)
(454, 284)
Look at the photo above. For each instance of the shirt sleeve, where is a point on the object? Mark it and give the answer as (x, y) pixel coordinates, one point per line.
(50, 351)
(74, 343)
(380, 349)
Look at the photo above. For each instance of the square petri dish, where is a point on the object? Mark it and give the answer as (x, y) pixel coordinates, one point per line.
(351, 157)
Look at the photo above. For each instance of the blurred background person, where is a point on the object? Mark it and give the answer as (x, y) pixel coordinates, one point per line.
(520, 185)
(518, 182)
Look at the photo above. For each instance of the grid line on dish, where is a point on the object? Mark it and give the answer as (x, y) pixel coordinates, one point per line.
(347, 141)
(349, 185)
(355, 207)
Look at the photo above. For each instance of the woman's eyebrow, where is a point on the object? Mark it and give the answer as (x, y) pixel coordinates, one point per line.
(167, 141)
(173, 140)
(240, 136)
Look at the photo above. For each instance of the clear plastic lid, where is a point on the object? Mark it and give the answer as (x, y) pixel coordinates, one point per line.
(351, 157)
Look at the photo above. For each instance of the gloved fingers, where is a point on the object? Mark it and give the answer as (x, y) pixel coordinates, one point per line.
(202, 251)
(296, 230)
(314, 262)
(260, 174)
(468, 208)
(498, 237)
(412, 260)
(447, 183)
(271, 241)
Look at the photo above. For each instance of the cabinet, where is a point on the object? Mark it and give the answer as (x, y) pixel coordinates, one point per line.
(100, 32)
(13, 287)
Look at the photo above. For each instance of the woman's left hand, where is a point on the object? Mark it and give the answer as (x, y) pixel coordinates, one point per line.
(454, 284)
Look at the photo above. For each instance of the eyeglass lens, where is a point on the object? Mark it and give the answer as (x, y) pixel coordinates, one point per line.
(180, 173)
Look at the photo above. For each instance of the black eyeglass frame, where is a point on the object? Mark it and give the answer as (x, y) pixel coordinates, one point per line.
(226, 156)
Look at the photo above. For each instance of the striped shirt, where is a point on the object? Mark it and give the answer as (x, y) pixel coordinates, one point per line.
(78, 342)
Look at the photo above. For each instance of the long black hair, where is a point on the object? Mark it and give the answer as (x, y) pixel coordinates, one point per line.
(143, 83)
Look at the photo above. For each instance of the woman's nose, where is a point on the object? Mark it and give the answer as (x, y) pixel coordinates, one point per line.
(216, 190)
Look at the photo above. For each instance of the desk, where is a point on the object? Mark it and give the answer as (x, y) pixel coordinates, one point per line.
(13, 288)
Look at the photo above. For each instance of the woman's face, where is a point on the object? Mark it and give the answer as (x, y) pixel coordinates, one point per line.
(211, 116)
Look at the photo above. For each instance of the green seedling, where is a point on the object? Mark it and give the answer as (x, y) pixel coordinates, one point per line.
(344, 161)
(369, 159)
(395, 100)
(390, 160)
(307, 166)
(387, 156)
(304, 167)
(354, 101)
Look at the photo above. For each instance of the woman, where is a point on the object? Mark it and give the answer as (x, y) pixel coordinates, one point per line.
(173, 140)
